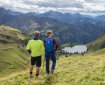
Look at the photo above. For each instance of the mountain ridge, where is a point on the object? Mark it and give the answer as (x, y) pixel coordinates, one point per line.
(76, 27)
(97, 44)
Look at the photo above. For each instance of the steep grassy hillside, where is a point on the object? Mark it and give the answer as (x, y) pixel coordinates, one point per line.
(11, 35)
(13, 56)
(97, 44)
(75, 70)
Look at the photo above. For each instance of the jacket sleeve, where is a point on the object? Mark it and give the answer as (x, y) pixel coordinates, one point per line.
(42, 48)
(56, 44)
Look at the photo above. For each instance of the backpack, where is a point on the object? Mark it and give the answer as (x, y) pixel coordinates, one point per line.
(49, 45)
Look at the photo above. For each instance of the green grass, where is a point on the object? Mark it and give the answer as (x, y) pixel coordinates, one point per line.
(13, 56)
(97, 44)
(9, 28)
(74, 70)
(12, 59)
(10, 35)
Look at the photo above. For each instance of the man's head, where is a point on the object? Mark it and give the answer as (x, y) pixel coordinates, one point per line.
(49, 33)
(36, 33)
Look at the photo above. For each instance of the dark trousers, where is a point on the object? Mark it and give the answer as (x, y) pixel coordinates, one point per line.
(50, 55)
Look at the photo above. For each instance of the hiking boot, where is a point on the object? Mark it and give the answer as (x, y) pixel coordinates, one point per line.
(52, 72)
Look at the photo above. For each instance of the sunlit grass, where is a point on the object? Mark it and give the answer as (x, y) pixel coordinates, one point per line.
(9, 28)
(12, 59)
(74, 70)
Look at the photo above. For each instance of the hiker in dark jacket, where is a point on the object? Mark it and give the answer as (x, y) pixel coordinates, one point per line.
(51, 46)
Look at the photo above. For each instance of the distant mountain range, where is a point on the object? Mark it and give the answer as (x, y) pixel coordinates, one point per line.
(68, 28)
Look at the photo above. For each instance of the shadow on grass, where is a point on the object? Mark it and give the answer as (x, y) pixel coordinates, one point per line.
(50, 80)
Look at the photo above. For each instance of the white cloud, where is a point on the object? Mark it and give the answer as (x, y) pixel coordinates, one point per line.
(40, 6)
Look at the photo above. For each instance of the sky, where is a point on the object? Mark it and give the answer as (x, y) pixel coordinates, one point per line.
(89, 7)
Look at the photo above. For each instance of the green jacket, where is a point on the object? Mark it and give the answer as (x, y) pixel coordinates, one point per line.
(36, 47)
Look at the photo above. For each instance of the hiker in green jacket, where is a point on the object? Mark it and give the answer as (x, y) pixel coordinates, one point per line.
(36, 48)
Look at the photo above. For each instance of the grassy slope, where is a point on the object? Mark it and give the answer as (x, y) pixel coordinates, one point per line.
(12, 57)
(75, 70)
(97, 44)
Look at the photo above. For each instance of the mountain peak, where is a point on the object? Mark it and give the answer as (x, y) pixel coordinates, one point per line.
(3, 10)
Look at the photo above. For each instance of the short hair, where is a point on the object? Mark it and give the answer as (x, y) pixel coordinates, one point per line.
(49, 32)
(36, 33)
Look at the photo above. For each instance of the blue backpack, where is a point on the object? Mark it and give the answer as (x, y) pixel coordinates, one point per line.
(49, 44)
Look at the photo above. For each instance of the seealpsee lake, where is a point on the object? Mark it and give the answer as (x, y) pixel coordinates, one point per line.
(76, 49)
